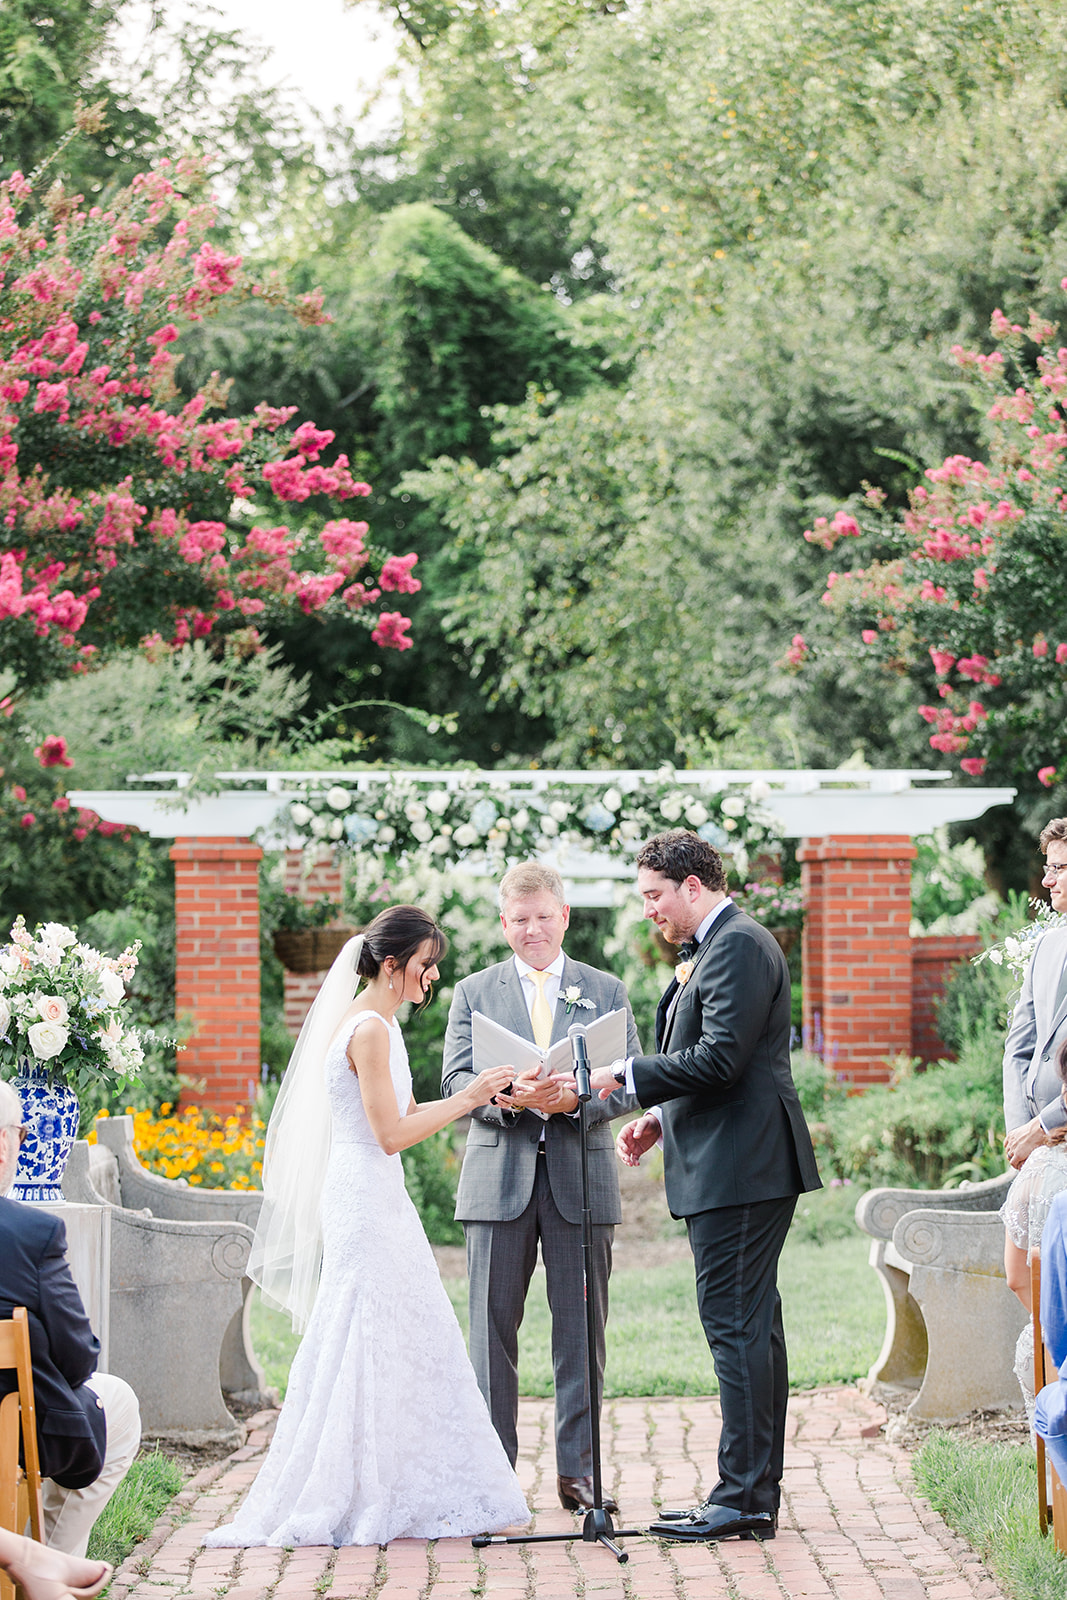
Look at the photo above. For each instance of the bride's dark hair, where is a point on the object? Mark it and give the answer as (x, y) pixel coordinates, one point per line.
(398, 933)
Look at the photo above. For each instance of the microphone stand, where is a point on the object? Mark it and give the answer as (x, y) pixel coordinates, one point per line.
(597, 1526)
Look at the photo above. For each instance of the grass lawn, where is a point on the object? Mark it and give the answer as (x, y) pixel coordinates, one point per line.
(131, 1513)
(834, 1317)
(987, 1493)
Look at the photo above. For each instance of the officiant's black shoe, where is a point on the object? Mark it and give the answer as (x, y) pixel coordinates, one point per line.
(710, 1521)
(576, 1494)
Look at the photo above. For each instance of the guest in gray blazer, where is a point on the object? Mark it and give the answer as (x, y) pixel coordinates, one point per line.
(521, 1175)
(1033, 1101)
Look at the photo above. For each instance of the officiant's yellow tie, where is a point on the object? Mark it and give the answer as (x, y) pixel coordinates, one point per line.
(541, 1016)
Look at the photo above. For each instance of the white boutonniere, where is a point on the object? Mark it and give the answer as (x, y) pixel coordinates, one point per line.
(683, 972)
(572, 996)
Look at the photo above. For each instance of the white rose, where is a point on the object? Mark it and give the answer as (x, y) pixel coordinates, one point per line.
(386, 835)
(549, 826)
(438, 801)
(729, 824)
(759, 791)
(521, 820)
(300, 813)
(5, 1016)
(423, 831)
(612, 799)
(56, 933)
(733, 806)
(503, 826)
(560, 810)
(441, 845)
(336, 828)
(47, 1039)
(630, 830)
(112, 987)
(338, 798)
(52, 1008)
(415, 811)
(696, 814)
(672, 807)
(318, 826)
(9, 961)
(465, 836)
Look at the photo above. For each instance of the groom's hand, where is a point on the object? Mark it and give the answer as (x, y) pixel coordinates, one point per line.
(637, 1138)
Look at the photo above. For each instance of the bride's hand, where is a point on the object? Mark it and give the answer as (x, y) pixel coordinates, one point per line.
(493, 1081)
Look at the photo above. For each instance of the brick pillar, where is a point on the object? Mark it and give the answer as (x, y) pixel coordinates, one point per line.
(857, 950)
(216, 895)
(324, 877)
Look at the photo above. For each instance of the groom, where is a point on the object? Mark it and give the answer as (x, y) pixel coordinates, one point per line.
(736, 1153)
(521, 1177)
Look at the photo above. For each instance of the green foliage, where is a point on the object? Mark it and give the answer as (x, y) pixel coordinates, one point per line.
(949, 892)
(135, 1507)
(978, 996)
(925, 1130)
(988, 1495)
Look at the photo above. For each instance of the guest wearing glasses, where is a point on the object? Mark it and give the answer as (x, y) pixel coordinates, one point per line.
(1033, 1102)
(88, 1423)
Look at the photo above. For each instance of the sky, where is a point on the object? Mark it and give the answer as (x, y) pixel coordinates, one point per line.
(331, 54)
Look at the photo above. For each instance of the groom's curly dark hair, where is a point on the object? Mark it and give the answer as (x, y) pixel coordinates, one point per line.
(682, 854)
(400, 932)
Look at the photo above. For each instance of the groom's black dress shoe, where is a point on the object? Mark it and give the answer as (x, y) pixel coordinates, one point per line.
(710, 1521)
(576, 1494)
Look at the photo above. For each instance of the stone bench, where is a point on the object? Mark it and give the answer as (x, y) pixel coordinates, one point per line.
(179, 1297)
(951, 1321)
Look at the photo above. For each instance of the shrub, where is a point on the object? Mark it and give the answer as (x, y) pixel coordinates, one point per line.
(208, 1152)
(431, 1172)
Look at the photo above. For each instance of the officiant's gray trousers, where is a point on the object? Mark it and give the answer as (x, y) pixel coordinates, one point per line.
(501, 1257)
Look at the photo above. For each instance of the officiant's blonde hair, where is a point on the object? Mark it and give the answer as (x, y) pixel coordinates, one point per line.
(531, 877)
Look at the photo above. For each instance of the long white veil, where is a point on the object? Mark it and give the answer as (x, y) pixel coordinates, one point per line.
(286, 1256)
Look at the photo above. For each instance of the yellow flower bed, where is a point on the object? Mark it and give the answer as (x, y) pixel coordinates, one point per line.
(208, 1151)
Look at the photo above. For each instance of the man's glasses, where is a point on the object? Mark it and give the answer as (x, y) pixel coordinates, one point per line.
(1054, 868)
(20, 1129)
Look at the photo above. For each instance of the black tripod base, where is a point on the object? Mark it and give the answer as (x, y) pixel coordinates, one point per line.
(597, 1528)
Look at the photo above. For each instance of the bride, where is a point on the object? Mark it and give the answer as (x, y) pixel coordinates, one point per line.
(383, 1434)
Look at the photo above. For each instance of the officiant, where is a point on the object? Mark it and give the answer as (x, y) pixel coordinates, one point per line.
(521, 1177)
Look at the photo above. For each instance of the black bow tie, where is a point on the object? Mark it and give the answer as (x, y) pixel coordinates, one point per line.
(687, 949)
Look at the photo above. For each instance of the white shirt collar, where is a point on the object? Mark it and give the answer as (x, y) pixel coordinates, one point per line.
(523, 968)
(702, 932)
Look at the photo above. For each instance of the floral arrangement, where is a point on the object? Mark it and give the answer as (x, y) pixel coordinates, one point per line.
(61, 1007)
(208, 1152)
(462, 818)
(1014, 952)
(775, 905)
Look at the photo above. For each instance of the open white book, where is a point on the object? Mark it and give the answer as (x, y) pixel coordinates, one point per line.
(496, 1046)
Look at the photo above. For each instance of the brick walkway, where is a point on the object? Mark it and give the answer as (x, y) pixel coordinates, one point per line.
(852, 1527)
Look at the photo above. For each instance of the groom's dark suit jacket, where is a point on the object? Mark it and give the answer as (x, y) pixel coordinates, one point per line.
(71, 1428)
(733, 1129)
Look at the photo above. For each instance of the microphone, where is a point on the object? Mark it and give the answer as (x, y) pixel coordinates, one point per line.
(580, 1055)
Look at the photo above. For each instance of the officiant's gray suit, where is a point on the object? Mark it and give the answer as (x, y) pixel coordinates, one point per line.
(504, 1206)
(1032, 1083)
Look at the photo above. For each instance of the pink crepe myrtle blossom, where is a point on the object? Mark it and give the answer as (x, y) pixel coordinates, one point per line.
(1046, 776)
(391, 631)
(99, 377)
(52, 752)
(974, 766)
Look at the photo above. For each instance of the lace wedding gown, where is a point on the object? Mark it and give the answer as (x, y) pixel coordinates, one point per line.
(384, 1433)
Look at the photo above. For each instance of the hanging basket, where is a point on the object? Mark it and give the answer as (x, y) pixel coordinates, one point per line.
(310, 949)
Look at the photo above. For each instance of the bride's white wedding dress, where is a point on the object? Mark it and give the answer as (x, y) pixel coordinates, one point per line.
(383, 1434)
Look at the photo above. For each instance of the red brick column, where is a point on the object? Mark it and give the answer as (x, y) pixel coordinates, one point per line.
(932, 959)
(857, 950)
(216, 895)
(325, 877)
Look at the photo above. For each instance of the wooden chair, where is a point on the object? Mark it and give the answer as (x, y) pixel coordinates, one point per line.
(20, 1483)
(1045, 1372)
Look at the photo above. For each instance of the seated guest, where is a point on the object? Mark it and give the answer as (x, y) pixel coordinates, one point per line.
(1050, 1416)
(88, 1423)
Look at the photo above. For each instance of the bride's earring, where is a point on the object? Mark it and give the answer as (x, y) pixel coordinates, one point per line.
(390, 980)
